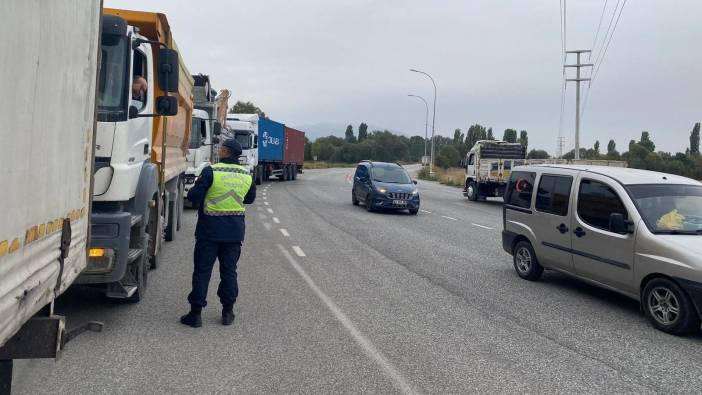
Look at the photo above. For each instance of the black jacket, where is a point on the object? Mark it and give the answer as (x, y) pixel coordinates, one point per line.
(218, 228)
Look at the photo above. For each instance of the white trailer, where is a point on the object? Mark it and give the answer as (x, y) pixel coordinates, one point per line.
(49, 68)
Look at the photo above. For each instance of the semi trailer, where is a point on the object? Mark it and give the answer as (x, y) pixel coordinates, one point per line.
(46, 151)
(144, 118)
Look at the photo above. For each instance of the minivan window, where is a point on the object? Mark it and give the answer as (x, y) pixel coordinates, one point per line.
(553, 194)
(675, 209)
(520, 188)
(596, 202)
(361, 172)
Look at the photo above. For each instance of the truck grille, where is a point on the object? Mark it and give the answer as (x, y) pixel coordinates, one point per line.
(398, 195)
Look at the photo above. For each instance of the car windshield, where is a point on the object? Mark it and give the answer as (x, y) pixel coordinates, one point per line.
(196, 134)
(673, 209)
(243, 138)
(112, 93)
(391, 174)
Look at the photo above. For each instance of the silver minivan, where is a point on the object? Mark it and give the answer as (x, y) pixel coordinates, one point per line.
(632, 231)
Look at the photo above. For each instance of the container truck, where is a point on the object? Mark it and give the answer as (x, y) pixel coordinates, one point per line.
(489, 163)
(270, 149)
(143, 134)
(46, 153)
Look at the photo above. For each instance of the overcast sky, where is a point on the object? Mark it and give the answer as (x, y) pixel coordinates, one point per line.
(326, 63)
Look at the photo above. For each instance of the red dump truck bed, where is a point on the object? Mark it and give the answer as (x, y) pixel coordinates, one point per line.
(294, 146)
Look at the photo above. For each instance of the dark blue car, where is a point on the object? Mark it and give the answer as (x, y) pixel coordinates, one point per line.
(384, 186)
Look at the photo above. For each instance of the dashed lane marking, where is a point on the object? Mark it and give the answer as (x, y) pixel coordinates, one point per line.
(425, 211)
(285, 232)
(270, 211)
(276, 220)
(298, 251)
(267, 226)
(265, 203)
(366, 345)
(451, 218)
(482, 226)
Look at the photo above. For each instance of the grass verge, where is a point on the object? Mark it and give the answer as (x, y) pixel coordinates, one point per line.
(453, 176)
(326, 165)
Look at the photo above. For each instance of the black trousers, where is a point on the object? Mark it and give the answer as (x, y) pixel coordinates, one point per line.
(205, 254)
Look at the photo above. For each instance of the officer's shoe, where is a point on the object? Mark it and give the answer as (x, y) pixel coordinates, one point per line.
(192, 319)
(227, 316)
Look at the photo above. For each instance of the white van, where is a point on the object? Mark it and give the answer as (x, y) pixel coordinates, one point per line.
(632, 231)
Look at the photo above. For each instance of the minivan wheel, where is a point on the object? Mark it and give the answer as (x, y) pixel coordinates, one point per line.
(668, 307)
(354, 201)
(369, 203)
(525, 262)
(472, 191)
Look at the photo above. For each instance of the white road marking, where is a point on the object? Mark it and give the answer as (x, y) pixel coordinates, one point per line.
(276, 220)
(451, 218)
(265, 198)
(270, 211)
(369, 348)
(267, 226)
(298, 251)
(425, 211)
(285, 232)
(266, 203)
(482, 226)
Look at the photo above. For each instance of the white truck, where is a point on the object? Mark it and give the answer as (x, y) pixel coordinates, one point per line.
(143, 132)
(244, 128)
(46, 151)
(489, 163)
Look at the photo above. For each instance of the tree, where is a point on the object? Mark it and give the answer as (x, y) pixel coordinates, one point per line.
(308, 149)
(695, 140)
(448, 157)
(523, 138)
(510, 136)
(612, 153)
(596, 147)
(538, 154)
(350, 138)
(646, 142)
(246, 108)
(490, 136)
(362, 132)
(457, 136)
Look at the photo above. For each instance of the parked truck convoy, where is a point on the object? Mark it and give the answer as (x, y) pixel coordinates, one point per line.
(489, 163)
(270, 149)
(46, 152)
(141, 144)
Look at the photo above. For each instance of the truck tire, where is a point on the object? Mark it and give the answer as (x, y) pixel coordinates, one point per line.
(259, 175)
(294, 172)
(180, 202)
(154, 226)
(140, 274)
(171, 226)
(472, 191)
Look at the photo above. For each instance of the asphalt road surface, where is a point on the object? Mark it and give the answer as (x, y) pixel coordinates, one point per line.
(338, 300)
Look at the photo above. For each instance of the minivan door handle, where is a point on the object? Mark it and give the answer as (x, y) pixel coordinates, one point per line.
(562, 228)
(579, 232)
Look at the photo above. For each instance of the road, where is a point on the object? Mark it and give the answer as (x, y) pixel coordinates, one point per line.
(338, 300)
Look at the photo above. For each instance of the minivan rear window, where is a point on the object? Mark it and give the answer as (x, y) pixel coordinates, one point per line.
(520, 188)
(553, 194)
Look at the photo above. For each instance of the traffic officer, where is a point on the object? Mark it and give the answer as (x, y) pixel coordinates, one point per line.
(220, 194)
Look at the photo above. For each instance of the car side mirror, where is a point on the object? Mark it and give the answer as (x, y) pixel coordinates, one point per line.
(133, 112)
(217, 129)
(167, 105)
(168, 70)
(464, 163)
(414, 182)
(618, 224)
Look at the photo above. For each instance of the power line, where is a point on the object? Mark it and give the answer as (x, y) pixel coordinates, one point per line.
(599, 25)
(607, 33)
(610, 40)
(562, 4)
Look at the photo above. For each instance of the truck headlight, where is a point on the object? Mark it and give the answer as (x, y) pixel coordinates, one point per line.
(100, 260)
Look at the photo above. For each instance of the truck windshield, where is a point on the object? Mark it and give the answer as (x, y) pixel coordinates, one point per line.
(244, 139)
(671, 209)
(391, 174)
(112, 90)
(196, 134)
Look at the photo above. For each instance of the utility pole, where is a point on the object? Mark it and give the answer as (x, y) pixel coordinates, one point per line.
(433, 120)
(561, 144)
(577, 81)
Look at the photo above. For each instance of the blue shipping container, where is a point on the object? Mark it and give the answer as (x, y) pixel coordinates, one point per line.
(271, 140)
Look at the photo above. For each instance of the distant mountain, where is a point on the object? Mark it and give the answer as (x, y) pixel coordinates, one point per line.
(323, 129)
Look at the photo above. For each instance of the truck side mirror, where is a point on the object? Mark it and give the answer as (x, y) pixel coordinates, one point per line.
(133, 112)
(167, 105)
(217, 129)
(168, 70)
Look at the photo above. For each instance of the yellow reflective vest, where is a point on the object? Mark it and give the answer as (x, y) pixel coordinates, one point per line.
(230, 184)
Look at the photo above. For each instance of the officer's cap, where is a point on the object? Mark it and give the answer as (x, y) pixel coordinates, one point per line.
(233, 145)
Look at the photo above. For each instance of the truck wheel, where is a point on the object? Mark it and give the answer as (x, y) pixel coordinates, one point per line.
(472, 191)
(180, 202)
(668, 308)
(171, 227)
(259, 175)
(139, 276)
(153, 230)
(525, 261)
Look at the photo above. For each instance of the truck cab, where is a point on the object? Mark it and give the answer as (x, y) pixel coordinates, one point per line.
(488, 166)
(244, 128)
(200, 150)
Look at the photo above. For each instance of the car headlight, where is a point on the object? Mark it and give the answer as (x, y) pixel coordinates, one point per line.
(415, 192)
(382, 190)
